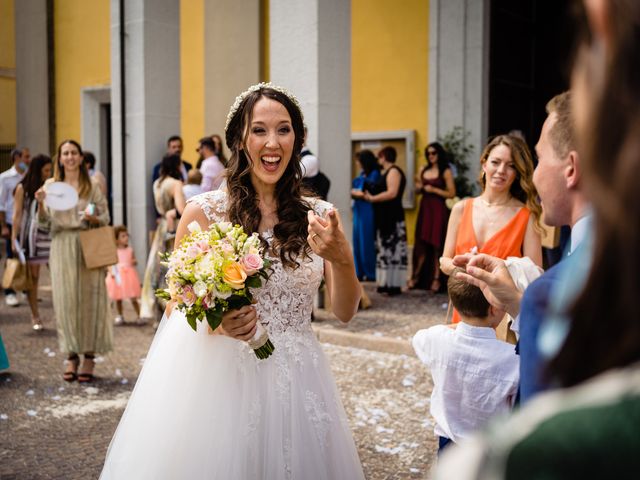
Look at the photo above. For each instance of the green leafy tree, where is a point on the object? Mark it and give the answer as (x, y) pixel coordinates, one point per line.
(455, 143)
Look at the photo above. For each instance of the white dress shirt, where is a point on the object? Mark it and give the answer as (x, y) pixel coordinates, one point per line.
(9, 179)
(212, 173)
(475, 376)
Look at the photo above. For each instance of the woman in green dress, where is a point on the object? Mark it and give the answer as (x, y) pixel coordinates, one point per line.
(79, 294)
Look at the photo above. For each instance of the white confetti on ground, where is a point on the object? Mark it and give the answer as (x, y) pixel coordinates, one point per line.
(47, 350)
(79, 406)
(378, 334)
(118, 372)
(414, 470)
(56, 397)
(124, 381)
(98, 359)
(4, 416)
(409, 381)
(51, 354)
(381, 429)
(30, 393)
(61, 389)
(32, 413)
(444, 306)
(91, 391)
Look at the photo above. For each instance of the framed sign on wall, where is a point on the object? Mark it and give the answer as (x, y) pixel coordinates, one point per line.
(404, 143)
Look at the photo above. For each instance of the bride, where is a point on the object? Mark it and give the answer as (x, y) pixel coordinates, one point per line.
(204, 406)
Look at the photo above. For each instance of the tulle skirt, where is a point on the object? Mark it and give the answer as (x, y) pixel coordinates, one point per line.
(205, 407)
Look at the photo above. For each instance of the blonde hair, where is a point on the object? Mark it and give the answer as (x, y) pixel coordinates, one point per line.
(522, 187)
(561, 133)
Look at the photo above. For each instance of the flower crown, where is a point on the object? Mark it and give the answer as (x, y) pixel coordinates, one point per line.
(254, 88)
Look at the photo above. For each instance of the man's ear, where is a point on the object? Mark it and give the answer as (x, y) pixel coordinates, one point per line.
(572, 171)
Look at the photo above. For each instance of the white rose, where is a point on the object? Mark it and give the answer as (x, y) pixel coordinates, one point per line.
(194, 227)
(200, 288)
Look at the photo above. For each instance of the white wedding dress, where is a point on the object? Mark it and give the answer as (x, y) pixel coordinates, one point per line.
(204, 406)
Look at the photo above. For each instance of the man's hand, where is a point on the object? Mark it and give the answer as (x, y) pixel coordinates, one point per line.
(491, 275)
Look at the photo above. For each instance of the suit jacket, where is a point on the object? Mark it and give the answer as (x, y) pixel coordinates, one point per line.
(534, 308)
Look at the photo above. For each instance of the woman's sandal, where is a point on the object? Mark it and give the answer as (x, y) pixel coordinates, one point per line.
(435, 285)
(87, 377)
(71, 373)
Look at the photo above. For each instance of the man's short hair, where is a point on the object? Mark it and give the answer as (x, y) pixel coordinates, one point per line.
(208, 142)
(16, 152)
(561, 133)
(173, 138)
(466, 298)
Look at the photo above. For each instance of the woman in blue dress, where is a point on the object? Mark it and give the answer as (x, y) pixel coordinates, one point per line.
(364, 228)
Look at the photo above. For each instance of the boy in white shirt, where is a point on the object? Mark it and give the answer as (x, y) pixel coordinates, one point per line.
(475, 375)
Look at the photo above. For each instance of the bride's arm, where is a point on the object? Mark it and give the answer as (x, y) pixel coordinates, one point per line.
(327, 240)
(192, 213)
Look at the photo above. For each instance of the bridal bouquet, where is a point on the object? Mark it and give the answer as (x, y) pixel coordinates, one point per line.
(212, 272)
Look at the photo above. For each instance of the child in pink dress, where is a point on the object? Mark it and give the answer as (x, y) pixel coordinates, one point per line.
(122, 279)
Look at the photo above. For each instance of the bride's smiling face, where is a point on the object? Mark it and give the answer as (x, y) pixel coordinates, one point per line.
(270, 142)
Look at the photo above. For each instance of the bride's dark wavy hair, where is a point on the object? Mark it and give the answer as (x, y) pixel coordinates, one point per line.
(290, 233)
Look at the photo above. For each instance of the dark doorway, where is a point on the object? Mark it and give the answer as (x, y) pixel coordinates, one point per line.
(531, 46)
(106, 165)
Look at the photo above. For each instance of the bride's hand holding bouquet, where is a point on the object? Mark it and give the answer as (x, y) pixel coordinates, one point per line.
(210, 276)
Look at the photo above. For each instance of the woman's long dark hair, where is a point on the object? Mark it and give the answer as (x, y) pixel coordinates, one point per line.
(605, 328)
(368, 161)
(443, 157)
(33, 179)
(290, 233)
(170, 167)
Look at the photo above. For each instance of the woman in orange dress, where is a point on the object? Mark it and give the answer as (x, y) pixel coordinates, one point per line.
(504, 220)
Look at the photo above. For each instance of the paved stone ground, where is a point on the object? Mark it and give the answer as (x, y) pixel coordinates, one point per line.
(53, 429)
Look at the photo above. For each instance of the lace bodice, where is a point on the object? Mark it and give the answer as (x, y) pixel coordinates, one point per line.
(285, 302)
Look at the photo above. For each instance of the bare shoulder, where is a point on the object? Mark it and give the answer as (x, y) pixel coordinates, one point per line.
(458, 208)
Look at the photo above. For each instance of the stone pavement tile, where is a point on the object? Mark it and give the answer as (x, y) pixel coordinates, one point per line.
(398, 317)
(51, 429)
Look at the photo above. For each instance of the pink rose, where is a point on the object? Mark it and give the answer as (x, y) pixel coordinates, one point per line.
(188, 296)
(204, 246)
(252, 263)
(192, 252)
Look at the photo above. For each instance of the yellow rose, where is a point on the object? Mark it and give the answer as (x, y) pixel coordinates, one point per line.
(234, 275)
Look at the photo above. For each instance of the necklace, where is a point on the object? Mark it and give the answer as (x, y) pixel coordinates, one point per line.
(494, 204)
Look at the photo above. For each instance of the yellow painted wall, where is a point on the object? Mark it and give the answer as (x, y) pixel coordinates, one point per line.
(8, 65)
(82, 57)
(192, 76)
(389, 71)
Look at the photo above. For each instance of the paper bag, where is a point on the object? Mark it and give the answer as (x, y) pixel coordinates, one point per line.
(98, 247)
(16, 275)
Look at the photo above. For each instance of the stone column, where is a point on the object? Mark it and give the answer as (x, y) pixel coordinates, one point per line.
(32, 88)
(459, 71)
(310, 54)
(232, 36)
(152, 107)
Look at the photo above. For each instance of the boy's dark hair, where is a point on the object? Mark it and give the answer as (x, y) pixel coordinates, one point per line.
(466, 298)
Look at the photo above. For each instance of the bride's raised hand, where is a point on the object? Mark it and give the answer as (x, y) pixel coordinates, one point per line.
(327, 239)
(241, 323)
